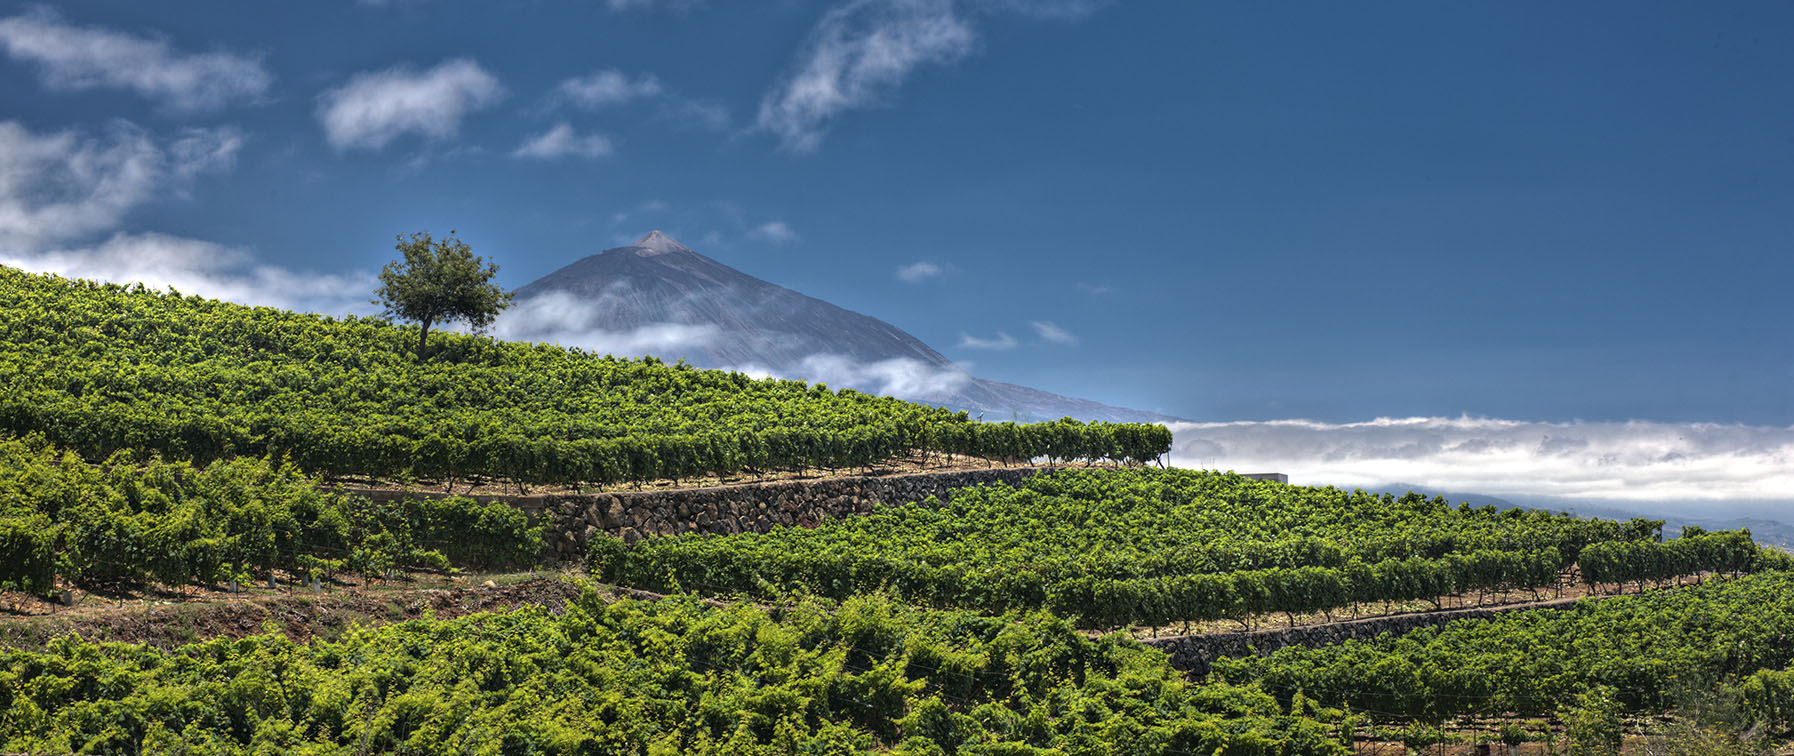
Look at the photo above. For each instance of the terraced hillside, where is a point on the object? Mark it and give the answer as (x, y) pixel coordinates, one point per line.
(1151, 547)
(104, 368)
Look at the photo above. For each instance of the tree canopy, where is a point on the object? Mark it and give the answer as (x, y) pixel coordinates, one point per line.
(439, 281)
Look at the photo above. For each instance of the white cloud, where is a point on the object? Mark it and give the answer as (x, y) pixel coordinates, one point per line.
(860, 52)
(901, 377)
(1643, 462)
(1090, 288)
(776, 232)
(1053, 333)
(204, 268)
(918, 272)
(376, 107)
(64, 185)
(613, 88)
(563, 141)
(606, 88)
(1001, 342)
(74, 58)
(566, 320)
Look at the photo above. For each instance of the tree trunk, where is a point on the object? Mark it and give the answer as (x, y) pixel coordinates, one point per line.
(423, 336)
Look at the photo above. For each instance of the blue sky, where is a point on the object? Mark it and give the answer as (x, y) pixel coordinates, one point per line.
(1221, 211)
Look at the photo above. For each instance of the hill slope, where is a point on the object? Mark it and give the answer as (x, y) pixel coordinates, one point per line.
(104, 368)
(715, 316)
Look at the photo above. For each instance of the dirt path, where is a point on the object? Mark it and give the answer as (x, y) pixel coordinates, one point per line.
(1439, 616)
(301, 615)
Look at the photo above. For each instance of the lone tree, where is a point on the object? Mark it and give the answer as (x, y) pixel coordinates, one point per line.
(439, 281)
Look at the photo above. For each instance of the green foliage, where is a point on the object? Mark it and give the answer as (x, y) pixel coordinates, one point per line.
(1140, 546)
(104, 368)
(649, 677)
(1766, 698)
(1592, 723)
(124, 522)
(1645, 647)
(1692, 554)
(439, 281)
(605, 554)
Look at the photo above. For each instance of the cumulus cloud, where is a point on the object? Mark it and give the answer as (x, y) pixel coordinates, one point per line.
(1574, 461)
(374, 108)
(1053, 333)
(64, 185)
(917, 272)
(198, 267)
(74, 58)
(605, 88)
(563, 141)
(776, 232)
(1001, 342)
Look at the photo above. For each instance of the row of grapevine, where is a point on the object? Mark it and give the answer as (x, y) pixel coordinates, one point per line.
(124, 522)
(650, 678)
(1695, 552)
(103, 368)
(1151, 547)
(1649, 648)
(1159, 601)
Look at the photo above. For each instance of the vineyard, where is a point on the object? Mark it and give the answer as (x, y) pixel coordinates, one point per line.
(669, 677)
(155, 443)
(1150, 547)
(101, 369)
(1649, 649)
(125, 523)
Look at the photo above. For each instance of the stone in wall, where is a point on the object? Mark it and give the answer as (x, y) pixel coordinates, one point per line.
(571, 521)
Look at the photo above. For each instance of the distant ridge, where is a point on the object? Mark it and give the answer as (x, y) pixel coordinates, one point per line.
(734, 320)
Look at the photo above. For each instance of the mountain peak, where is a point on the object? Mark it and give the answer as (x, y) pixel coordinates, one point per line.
(660, 243)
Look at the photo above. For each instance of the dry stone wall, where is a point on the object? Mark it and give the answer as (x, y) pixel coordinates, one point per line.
(571, 521)
(1195, 653)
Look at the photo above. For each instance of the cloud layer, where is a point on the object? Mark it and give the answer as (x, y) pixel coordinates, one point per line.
(374, 108)
(1634, 461)
(566, 320)
(199, 267)
(75, 58)
(66, 185)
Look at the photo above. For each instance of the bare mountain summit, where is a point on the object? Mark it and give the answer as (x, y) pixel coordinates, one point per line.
(660, 297)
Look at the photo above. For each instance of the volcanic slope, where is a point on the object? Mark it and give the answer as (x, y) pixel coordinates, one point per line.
(716, 316)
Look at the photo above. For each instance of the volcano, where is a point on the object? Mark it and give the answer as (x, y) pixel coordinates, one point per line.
(660, 297)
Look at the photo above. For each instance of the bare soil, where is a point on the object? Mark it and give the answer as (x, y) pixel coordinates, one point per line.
(1566, 592)
(299, 613)
(478, 486)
